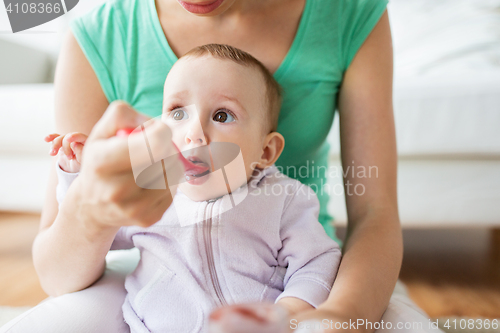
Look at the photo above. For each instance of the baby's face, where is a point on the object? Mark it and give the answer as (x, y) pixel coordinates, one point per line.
(210, 100)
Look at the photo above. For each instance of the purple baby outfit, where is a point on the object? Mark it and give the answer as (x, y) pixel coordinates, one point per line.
(267, 247)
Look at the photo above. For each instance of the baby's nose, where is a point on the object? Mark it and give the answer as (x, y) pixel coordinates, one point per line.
(196, 135)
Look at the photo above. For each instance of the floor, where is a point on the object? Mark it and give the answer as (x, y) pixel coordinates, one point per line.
(19, 284)
(447, 272)
(453, 273)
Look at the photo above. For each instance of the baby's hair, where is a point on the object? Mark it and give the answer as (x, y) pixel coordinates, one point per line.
(227, 52)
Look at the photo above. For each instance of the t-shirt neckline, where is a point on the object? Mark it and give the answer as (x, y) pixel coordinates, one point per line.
(283, 67)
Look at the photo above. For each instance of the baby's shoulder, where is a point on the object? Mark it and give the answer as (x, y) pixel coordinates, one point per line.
(271, 182)
(272, 176)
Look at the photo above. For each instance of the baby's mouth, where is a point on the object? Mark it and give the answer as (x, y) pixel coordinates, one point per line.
(199, 168)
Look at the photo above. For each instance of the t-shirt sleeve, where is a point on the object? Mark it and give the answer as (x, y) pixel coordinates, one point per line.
(64, 181)
(95, 35)
(358, 18)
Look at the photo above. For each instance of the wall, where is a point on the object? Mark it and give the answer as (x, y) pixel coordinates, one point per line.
(45, 40)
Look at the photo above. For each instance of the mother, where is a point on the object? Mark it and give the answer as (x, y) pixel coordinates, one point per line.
(326, 54)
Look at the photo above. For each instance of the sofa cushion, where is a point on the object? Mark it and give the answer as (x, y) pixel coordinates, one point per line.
(26, 117)
(23, 182)
(443, 193)
(446, 116)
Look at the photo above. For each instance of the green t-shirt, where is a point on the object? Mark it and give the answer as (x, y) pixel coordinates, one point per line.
(125, 45)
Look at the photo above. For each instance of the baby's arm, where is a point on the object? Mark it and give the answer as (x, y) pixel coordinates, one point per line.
(311, 257)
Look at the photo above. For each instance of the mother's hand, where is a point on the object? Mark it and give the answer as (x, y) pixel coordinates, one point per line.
(266, 317)
(106, 189)
(259, 317)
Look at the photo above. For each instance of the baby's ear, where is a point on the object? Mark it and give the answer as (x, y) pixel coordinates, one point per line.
(272, 148)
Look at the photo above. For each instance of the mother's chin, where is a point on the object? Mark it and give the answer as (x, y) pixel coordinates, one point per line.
(206, 7)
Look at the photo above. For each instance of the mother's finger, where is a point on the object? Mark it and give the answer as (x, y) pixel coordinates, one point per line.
(118, 115)
(107, 157)
(153, 155)
(114, 154)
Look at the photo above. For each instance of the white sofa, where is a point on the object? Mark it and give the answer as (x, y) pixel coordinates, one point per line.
(26, 117)
(447, 111)
(448, 153)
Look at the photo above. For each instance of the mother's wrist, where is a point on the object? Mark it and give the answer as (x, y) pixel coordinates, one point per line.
(83, 216)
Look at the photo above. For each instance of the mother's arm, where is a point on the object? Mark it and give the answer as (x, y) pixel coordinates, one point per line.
(70, 249)
(373, 249)
(63, 259)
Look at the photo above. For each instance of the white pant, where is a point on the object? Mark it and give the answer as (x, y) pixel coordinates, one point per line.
(99, 307)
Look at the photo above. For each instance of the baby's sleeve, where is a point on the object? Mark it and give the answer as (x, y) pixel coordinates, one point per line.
(310, 256)
(64, 179)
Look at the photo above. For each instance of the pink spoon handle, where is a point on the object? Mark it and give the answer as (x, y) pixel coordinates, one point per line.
(124, 132)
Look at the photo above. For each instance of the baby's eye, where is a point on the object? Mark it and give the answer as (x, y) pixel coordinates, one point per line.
(179, 114)
(223, 117)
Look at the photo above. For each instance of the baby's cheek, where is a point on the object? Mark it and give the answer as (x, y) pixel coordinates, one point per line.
(177, 137)
(251, 157)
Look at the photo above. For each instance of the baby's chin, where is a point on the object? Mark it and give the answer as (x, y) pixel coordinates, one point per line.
(212, 185)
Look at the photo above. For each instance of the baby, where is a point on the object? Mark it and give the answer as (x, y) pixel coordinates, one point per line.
(267, 247)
